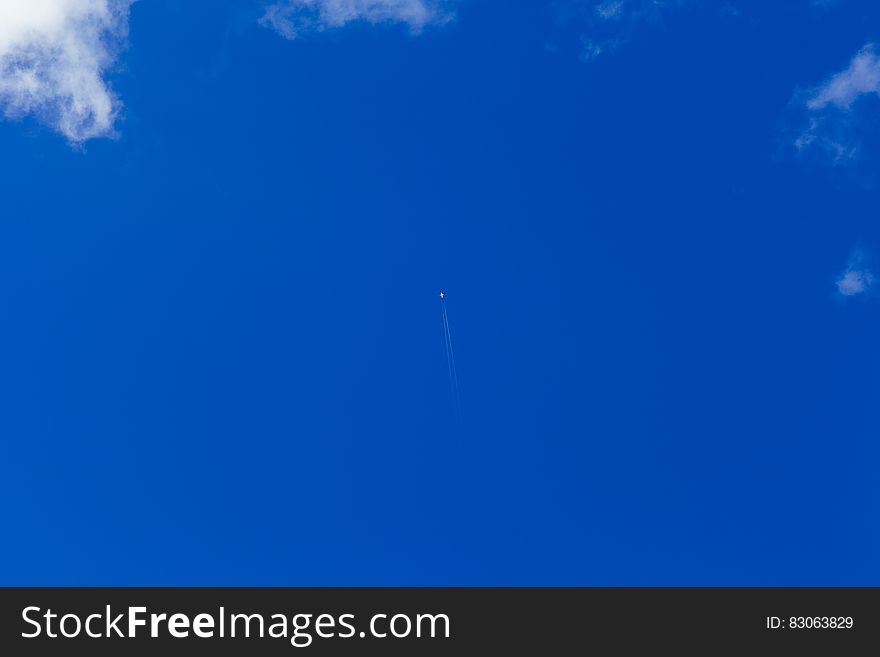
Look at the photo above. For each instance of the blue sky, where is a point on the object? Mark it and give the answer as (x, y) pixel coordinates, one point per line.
(224, 230)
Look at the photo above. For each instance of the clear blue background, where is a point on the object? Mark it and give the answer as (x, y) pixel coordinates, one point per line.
(221, 351)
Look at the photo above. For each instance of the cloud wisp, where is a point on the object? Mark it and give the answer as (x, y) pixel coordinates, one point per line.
(606, 25)
(54, 56)
(857, 279)
(296, 18)
(832, 123)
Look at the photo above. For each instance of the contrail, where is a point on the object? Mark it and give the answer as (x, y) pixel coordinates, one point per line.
(450, 359)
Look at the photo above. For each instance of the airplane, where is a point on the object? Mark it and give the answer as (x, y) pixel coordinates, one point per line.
(442, 295)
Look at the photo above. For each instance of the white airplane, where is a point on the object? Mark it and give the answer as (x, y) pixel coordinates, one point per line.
(442, 295)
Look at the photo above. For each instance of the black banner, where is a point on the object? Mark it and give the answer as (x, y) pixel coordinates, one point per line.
(450, 621)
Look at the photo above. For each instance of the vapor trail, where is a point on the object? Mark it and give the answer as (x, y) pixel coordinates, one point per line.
(450, 360)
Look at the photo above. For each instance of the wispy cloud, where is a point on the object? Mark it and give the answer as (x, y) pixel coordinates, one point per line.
(832, 126)
(862, 76)
(857, 279)
(296, 18)
(606, 25)
(54, 56)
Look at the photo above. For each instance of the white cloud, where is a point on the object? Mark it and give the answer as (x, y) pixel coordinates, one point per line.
(856, 279)
(861, 77)
(610, 9)
(295, 18)
(54, 55)
(831, 124)
(605, 25)
(852, 282)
